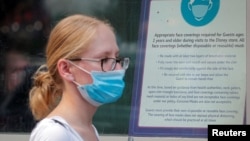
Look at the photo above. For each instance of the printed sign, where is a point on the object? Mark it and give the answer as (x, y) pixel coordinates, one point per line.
(190, 67)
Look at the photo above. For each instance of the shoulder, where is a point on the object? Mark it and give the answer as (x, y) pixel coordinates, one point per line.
(96, 132)
(50, 130)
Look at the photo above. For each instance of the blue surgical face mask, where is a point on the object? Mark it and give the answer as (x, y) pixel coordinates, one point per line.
(107, 87)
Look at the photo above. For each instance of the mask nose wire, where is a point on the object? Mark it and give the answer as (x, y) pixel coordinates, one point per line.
(80, 69)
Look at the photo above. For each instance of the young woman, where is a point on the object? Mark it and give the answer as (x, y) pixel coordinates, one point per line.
(83, 71)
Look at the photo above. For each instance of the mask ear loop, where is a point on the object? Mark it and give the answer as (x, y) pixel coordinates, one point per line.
(80, 69)
(75, 82)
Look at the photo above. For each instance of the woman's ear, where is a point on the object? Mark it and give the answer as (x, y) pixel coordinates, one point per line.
(64, 70)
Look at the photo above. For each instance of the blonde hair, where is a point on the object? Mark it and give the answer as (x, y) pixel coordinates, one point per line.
(68, 39)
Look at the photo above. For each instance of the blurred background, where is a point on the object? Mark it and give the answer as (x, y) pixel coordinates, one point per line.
(24, 29)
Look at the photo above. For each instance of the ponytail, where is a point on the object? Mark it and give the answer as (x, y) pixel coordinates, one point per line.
(45, 94)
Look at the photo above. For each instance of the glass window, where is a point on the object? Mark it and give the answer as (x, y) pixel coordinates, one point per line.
(24, 29)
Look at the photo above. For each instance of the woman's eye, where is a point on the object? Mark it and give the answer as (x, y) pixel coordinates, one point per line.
(105, 60)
